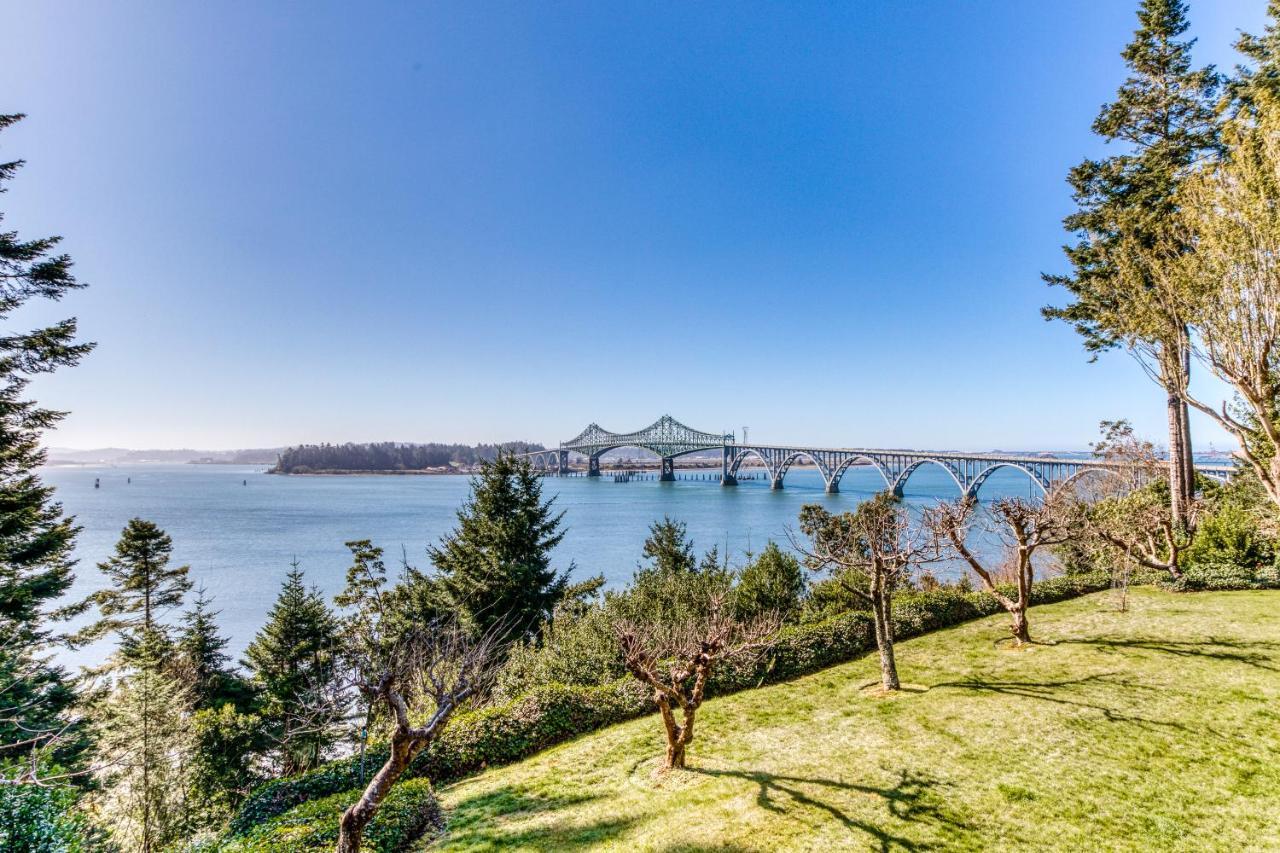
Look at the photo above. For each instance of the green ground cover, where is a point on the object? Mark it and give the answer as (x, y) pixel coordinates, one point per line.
(1158, 728)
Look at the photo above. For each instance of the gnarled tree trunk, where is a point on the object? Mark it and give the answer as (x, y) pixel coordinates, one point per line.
(354, 820)
(679, 736)
(882, 611)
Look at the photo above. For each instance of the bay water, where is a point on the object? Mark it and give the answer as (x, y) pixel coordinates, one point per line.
(239, 528)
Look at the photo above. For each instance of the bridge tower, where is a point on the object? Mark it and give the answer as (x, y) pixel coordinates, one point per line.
(593, 465)
(727, 479)
(668, 469)
(562, 459)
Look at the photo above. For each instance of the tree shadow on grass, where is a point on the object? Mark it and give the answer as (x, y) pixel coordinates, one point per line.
(915, 799)
(478, 822)
(1066, 692)
(1229, 651)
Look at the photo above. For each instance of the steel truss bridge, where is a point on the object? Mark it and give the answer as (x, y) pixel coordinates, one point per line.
(669, 439)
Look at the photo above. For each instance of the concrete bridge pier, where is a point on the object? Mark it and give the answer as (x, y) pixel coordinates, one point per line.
(593, 466)
(727, 479)
(833, 487)
(668, 469)
(775, 482)
(563, 461)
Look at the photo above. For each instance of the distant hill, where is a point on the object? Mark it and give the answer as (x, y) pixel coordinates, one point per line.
(120, 455)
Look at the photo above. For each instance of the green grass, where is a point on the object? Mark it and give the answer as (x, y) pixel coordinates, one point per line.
(1153, 729)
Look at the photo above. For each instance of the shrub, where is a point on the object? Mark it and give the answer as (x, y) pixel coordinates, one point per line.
(1229, 536)
(39, 819)
(409, 811)
(556, 713)
(1201, 577)
(772, 582)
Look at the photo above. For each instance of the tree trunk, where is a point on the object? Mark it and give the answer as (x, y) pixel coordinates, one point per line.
(677, 735)
(1021, 631)
(354, 820)
(1178, 503)
(884, 641)
(1188, 455)
(675, 755)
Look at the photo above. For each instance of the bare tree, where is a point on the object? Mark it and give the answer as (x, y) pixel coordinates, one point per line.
(1137, 528)
(675, 658)
(1023, 527)
(1131, 521)
(425, 671)
(871, 551)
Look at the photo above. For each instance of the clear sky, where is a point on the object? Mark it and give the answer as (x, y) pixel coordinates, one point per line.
(469, 221)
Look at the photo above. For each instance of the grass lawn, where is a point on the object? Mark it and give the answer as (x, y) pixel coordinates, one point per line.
(1153, 729)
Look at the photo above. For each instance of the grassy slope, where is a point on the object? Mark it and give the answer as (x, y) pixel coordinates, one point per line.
(1153, 729)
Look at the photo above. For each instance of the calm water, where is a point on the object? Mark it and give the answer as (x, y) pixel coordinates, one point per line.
(239, 539)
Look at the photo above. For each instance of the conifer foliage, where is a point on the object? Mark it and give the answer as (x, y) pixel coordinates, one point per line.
(36, 538)
(145, 751)
(292, 662)
(143, 586)
(496, 564)
(1163, 115)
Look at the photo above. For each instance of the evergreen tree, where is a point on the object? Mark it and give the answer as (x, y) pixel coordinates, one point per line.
(225, 746)
(1164, 114)
(143, 587)
(225, 735)
(36, 539)
(145, 750)
(202, 663)
(496, 564)
(672, 587)
(773, 582)
(668, 548)
(292, 662)
(1261, 80)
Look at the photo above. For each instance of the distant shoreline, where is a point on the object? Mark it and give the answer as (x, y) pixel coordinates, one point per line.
(357, 472)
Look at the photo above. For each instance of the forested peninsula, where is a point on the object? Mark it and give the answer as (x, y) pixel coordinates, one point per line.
(391, 457)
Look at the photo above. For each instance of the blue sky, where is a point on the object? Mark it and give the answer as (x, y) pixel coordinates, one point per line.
(473, 221)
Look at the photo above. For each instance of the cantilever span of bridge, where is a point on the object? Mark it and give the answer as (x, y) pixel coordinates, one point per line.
(670, 439)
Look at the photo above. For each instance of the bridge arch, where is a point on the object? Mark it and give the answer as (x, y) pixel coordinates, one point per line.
(742, 457)
(845, 465)
(1108, 473)
(1036, 477)
(900, 483)
(794, 456)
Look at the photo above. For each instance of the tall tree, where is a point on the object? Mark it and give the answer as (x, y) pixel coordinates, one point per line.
(1163, 114)
(496, 564)
(144, 586)
(292, 662)
(36, 539)
(1231, 284)
(145, 750)
(1260, 77)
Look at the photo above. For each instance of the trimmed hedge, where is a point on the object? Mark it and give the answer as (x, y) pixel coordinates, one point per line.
(409, 811)
(557, 713)
(1205, 577)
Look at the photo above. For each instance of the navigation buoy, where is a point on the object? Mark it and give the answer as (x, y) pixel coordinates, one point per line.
(96, 483)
